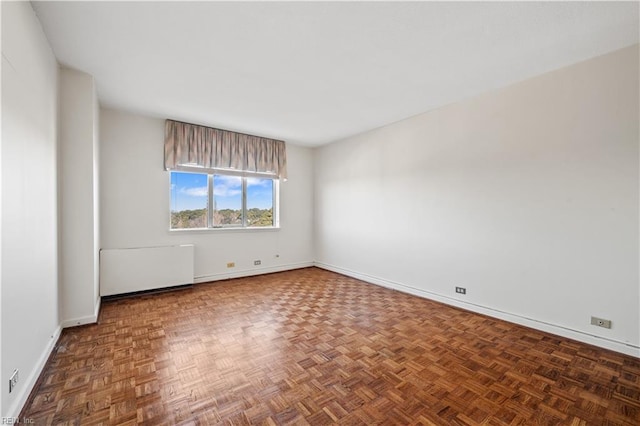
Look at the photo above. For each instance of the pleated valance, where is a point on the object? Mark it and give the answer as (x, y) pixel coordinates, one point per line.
(192, 145)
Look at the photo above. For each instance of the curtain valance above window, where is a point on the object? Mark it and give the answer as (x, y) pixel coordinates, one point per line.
(191, 145)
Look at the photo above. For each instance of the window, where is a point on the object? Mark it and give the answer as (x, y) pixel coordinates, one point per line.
(201, 201)
(189, 200)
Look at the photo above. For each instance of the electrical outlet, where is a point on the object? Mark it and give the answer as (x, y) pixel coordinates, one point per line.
(231, 265)
(461, 290)
(13, 381)
(605, 323)
(257, 262)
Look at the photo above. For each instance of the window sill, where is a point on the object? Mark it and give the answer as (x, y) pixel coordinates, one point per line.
(224, 230)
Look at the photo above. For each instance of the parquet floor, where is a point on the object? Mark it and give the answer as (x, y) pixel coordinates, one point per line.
(314, 347)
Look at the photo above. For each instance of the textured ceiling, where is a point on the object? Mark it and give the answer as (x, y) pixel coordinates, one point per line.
(312, 73)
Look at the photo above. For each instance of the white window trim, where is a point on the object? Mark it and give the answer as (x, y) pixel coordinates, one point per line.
(228, 172)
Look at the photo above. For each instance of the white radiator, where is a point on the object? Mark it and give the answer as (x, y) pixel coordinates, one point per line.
(145, 268)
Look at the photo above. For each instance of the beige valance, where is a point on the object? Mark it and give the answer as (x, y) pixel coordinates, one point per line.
(191, 145)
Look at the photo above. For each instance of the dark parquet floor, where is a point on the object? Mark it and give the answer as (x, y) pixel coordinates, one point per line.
(314, 347)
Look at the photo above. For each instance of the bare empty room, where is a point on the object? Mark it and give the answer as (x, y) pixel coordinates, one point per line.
(320, 213)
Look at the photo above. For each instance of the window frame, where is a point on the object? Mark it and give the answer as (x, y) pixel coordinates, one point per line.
(210, 173)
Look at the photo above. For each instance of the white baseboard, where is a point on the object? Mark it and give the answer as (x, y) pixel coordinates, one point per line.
(26, 388)
(251, 272)
(89, 319)
(559, 330)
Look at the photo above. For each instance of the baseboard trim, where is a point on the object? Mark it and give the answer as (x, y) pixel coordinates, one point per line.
(580, 336)
(251, 272)
(25, 390)
(89, 319)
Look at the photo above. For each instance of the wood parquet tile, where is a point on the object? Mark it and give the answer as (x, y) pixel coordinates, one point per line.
(318, 348)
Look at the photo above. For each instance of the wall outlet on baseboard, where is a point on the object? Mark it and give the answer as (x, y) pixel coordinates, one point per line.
(461, 290)
(231, 265)
(13, 381)
(257, 262)
(605, 323)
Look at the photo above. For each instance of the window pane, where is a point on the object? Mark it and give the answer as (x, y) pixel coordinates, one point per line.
(189, 200)
(227, 200)
(259, 202)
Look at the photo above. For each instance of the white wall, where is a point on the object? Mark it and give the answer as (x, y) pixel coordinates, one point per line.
(135, 202)
(527, 196)
(96, 199)
(78, 191)
(1, 103)
(29, 220)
